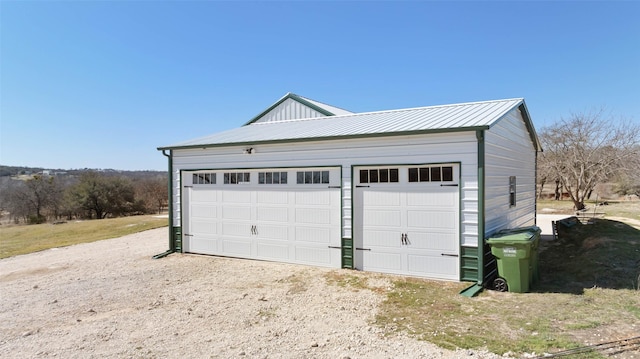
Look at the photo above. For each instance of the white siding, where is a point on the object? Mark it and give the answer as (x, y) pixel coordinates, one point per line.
(289, 110)
(509, 152)
(460, 147)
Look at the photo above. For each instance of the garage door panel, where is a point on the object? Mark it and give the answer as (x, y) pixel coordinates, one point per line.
(442, 266)
(431, 219)
(237, 246)
(273, 251)
(272, 214)
(381, 261)
(319, 256)
(313, 234)
(432, 198)
(381, 217)
(432, 241)
(236, 229)
(204, 195)
(271, 232)
(199, 226)
(381, 198)
(313, 215)
(231, 212)
(238, 196)
(382, 239)
(203, 244)
(204, 210)
(315, 198)
(272, 197)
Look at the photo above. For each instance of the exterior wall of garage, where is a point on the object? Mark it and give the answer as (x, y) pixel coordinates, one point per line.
(509, 151)
(455, 147)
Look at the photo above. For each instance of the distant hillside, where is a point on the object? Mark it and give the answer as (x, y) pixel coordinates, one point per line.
(11, 171)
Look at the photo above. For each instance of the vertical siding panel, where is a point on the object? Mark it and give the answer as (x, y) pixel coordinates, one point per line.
(509, 152)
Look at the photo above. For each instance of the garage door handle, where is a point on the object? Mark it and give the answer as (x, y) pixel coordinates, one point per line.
(334, 247)
(363, 249)
(361, 186)
(335, 186)
(448, 185)
(188, 235)
(448, 255)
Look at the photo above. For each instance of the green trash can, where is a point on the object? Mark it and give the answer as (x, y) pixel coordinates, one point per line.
(535, 231)
(516, 252)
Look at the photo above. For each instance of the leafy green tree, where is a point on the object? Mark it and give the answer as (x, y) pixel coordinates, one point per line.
(102, 196)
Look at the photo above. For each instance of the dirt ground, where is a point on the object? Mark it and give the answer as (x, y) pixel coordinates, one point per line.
(110, 299)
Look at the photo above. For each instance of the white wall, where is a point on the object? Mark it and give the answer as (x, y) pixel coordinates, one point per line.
(509, 151)
(415, 149)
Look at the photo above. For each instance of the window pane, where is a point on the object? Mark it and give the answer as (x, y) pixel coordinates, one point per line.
(269, 177)
(308, 177)
(447, 173)
(276, 177)
(247, 177)
(261, 177)
(435, 174)
(373, 176)
(424, 174)
(233, 178)
(384, 175)
(364, 176)
(195, 179)
(316, 177)
(227, 178)
(413, 175)
(325, 176)
(300, 177)
(283, 177)
(393, 175)
(207, 178)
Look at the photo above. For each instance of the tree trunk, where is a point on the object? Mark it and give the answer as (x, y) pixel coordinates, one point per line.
(557, 192)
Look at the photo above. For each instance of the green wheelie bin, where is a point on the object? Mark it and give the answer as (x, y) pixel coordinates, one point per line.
(516, 252)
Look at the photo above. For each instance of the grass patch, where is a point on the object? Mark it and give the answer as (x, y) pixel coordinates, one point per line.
(16, 240)
(625, 209)
(347, 280)
(586, 295)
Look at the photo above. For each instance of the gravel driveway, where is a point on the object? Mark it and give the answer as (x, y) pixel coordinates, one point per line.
(110, 299)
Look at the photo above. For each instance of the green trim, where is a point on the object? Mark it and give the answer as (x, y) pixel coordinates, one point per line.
(529, 124)
(471, 291)
(172, 244)
(326, 138)
(481, 205)
(295, 98)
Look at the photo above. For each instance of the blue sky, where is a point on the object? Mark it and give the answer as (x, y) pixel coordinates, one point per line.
(102, 84)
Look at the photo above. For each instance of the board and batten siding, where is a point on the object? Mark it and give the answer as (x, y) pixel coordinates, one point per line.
(509, 151)
(290, 109)
(457, 147)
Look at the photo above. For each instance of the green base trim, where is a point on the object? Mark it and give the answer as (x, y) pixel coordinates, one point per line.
(472, 291)
(162, 255)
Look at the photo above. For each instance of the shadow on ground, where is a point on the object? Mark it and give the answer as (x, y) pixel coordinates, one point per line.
(602, 253)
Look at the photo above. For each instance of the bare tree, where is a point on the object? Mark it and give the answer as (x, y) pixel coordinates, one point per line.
(587, 149)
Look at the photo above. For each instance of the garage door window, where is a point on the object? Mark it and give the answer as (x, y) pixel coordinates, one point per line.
(237, 177)
(312, 177)
(431, 174)
(379, 175)
(272, 178)
(204, 178)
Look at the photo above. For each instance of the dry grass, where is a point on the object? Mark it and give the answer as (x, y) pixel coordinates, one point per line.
(15, 240)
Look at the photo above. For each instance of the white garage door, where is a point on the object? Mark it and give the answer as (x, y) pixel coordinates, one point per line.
(286, 215)
(407, 220)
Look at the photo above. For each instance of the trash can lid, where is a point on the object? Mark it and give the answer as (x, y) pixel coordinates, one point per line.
(525, 236)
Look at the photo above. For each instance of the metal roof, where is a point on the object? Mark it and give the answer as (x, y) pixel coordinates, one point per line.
(444, 118)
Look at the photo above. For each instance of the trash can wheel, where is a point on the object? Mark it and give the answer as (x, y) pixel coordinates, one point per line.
(500, 284)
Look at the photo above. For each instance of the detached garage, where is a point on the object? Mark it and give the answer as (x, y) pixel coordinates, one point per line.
(410, 191)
